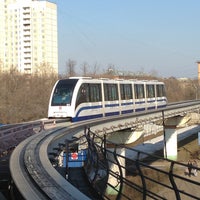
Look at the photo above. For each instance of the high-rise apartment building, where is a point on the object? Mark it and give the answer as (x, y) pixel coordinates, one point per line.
(28, 35)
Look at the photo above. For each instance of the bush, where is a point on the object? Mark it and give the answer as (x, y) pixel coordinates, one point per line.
(24, 97)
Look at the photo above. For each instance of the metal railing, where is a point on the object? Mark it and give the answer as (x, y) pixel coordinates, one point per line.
(10, 137)
(140, 176)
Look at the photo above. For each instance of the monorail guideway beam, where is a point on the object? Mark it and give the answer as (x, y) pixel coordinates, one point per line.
(53, 139)
(171, 124)
(167, 120)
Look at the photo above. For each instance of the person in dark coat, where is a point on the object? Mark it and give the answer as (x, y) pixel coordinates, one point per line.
(189, 167)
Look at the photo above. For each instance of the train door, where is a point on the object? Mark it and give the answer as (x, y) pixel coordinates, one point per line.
(150, 96)
(111, 99)
(161, 96)
(140, 101)
(95, 100)
(89, 101)
(126, 98)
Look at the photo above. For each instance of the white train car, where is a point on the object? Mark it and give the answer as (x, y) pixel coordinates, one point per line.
(84, 98)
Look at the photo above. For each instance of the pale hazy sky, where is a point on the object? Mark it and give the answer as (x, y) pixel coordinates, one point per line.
(132, 35)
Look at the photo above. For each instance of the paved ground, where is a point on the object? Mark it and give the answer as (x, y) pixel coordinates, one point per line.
(184, 186)
(188, 149)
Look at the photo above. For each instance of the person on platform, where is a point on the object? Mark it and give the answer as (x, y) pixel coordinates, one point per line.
(195, 165)
(189, 168)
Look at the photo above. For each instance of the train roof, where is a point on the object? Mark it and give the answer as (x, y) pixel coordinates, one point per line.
(80, 77)
(115, 80)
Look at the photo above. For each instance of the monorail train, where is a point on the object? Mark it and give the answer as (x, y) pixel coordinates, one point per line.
(84, 98)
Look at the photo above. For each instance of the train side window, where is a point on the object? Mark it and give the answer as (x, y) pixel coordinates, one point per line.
(139, 91)
(95, 93)
(150, 90)
(160, 90)
(110, 91)
(126, 91)
(83, 94)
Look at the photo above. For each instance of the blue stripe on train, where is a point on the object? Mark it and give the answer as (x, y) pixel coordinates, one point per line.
(139, 102)
(112, 113)
(88, 108)
(81, 118)
(139, 109)
(112, 105)
(151, 101)
(127, 111)
(151, 108)
(162, 106)
(127, 104)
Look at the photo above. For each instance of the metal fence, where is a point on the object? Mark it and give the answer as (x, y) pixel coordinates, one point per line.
(11, 136)
(139, 176)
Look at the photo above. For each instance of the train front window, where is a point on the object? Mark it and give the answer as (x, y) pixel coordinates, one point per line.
(62, 95)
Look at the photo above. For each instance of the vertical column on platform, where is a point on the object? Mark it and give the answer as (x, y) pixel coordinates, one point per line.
(116, 162)
(170, 142)
(67, 158)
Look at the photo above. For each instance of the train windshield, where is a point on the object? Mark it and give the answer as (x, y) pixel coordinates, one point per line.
(62, 95)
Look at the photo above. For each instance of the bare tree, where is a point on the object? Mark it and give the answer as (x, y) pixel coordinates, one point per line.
(85, 70)
(193, 89)
(95, 70)
(25, 97)
(109, 72)
(71, 67)
(45, 69)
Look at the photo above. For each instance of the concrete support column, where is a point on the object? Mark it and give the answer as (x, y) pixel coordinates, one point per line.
(116, 163)
(170, 135)
(170, 143)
